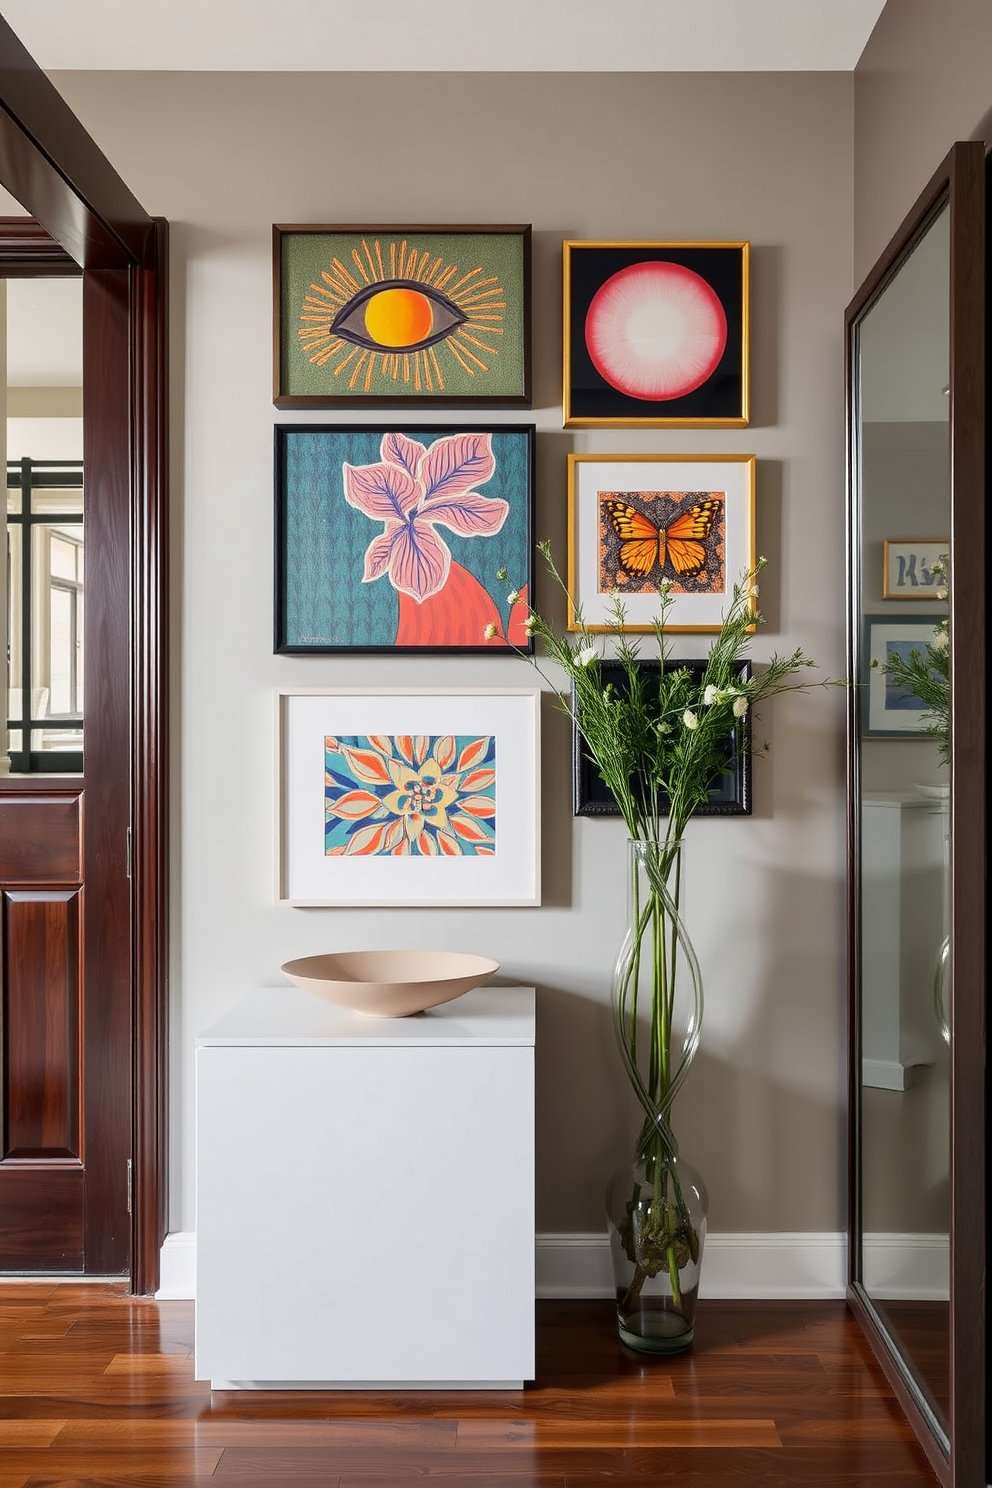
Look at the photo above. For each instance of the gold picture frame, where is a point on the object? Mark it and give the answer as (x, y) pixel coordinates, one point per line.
(635, 521)
(656, 334)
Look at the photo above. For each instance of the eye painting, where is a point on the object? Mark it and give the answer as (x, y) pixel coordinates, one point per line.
(396, 314)
(391, 312)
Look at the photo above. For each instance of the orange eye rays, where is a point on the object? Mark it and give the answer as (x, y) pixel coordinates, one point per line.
(397, 315)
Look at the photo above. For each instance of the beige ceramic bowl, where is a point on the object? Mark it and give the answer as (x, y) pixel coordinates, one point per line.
(389, 984)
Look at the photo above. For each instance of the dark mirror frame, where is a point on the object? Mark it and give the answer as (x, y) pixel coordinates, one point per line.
(962, 1459)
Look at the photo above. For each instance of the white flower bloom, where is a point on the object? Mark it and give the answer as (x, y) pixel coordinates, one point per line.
(490, 632)
(941, 593)
(586, 655)
(664, 728)
(941, 640)
(689, 719)
(741, 706)
(711, 695)
(513, 596)
(530, 624)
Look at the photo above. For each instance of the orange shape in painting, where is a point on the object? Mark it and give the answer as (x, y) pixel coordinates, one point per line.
(399, 317)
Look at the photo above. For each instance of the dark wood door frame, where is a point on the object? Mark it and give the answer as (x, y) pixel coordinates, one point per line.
(60, 176)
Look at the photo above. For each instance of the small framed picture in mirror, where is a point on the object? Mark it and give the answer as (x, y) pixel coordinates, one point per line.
(891, 642)
(915, 567)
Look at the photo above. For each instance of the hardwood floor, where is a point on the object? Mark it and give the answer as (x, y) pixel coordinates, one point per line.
(97, 1388)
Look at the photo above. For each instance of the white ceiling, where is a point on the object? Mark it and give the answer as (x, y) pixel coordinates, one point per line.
(445, 35)
(45, 332)
(395, 35)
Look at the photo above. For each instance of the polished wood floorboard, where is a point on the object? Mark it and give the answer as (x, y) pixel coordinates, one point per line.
(97, 1389)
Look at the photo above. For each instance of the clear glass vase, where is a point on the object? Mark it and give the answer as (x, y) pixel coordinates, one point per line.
(656, 1203)
(657, 1221)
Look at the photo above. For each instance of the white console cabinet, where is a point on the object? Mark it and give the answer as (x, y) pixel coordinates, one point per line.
(365, 1194)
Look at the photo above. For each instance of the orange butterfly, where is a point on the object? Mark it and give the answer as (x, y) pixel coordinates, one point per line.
(643, 544)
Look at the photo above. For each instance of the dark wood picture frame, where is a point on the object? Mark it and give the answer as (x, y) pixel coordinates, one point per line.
(729, 796)
(339, 579)
(401, 316)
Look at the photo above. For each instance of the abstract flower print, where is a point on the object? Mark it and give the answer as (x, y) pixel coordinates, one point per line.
(413, 490)
(410, 795)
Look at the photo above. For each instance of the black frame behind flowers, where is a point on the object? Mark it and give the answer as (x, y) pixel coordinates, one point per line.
(730, 795)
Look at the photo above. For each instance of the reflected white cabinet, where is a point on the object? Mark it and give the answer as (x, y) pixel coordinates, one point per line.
(365, 1194)
(903, 886)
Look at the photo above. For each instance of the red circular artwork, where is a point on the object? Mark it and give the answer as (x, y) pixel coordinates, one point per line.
(655, 330)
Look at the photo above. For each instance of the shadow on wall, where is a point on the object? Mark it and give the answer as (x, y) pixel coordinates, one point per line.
(761, 1114)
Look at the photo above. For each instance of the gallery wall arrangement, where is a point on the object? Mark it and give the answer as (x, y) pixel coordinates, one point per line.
(400, 536)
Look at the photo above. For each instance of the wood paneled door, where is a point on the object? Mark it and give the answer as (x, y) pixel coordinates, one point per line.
(82, 854)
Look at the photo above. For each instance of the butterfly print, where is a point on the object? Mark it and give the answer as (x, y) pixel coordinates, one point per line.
(644, 545)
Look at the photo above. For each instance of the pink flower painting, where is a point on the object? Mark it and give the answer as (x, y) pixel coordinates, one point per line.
(394, 538)
(413, 490)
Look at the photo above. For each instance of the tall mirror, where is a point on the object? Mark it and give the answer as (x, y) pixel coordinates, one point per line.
(916, 441)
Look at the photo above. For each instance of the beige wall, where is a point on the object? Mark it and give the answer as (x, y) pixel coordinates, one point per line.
(763, 158)
(923, 81)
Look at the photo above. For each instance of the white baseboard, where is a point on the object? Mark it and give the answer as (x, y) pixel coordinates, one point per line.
(177, 1267)
(800, 1265)
(780, 1265)
(900, 1267)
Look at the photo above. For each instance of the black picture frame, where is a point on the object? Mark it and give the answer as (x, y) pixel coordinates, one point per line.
(729, 796)
(327, 533)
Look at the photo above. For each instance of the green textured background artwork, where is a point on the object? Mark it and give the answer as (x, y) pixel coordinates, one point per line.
(388, 315)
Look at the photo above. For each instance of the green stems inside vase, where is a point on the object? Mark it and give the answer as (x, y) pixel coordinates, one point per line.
(657, 1211)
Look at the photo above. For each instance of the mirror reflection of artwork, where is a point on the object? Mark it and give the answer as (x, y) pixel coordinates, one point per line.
(915, 568)
(896, 647)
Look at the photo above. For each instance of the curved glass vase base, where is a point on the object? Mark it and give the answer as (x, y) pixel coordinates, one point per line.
(656, 1212)
(658, 1332)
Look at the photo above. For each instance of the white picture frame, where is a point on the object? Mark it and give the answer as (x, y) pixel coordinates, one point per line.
(889, 712)
(908, 568)
(408, 796)
(658, 488)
